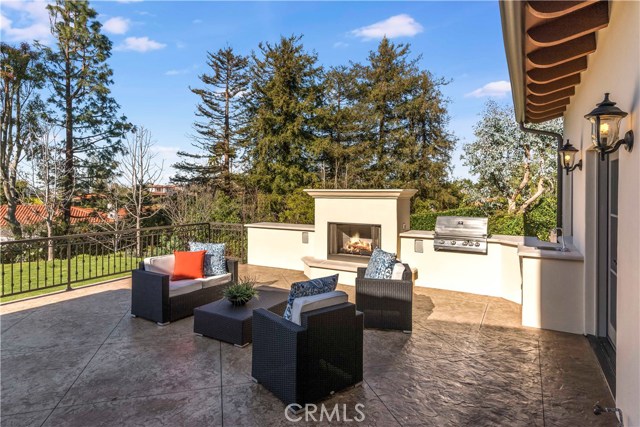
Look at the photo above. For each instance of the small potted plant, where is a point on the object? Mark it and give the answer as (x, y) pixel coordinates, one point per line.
(241, 292)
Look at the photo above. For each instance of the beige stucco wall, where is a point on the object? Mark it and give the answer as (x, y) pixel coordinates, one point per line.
(495, 274)
(282, 247)
(614, 68)
(552, 294)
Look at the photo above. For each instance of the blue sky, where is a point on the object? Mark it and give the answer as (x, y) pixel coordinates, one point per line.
(160, 49)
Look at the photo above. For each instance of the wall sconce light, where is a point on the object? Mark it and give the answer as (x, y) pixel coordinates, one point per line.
(605, 125)
(567, 156)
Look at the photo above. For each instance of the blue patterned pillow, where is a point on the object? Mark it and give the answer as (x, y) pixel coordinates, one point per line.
(311, 287)
(214, 262)
(380, 265)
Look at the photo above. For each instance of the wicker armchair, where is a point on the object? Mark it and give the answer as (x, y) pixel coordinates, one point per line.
(386, 303)
(151, 299)
(304, 363)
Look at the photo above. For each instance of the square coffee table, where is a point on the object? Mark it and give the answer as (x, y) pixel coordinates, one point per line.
(226, 322)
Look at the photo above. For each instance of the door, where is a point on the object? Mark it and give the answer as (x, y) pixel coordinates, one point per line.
(608, 249)
(612, 249)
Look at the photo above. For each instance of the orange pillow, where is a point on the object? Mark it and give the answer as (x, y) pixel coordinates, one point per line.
(188, 265)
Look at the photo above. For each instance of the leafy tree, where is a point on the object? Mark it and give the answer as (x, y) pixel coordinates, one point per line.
(218, 133)
(20, 121)
(282, 104)
(79, 78)
(511, 164)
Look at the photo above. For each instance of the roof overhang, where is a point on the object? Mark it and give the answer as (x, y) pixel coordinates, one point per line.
(547, 44)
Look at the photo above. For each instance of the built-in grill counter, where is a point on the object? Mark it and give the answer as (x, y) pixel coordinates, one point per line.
(461, 234)
(540, 276)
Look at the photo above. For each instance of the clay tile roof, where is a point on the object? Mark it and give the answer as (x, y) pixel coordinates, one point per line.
(547, 44)
(33, 214)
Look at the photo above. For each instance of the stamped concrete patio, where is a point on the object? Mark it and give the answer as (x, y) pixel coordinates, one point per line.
(79, 359)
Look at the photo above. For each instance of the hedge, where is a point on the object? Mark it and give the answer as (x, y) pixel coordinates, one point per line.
(427, 220)
(537, 222)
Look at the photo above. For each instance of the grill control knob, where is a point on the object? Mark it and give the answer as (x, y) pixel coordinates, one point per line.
(442, 242)
(464, 243)
(453, 242)
(477, 243)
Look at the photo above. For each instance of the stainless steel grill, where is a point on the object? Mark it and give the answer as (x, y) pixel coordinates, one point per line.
(461, 234)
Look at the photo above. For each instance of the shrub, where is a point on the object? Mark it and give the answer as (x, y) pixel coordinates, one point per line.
(427, 220)
(506, 223)
(539, 220)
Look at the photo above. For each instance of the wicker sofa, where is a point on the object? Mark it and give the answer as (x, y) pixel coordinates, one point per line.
(386, 303)
(155, 297)
(304, 363)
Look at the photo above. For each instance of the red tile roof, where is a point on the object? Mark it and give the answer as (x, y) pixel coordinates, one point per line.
(33, 214)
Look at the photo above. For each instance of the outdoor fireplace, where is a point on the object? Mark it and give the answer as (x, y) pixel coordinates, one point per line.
(350, 242)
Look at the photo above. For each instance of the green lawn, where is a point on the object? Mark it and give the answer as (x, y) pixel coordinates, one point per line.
(40, 277)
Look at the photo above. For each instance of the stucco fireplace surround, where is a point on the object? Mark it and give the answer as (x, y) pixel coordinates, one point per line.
(349, 224)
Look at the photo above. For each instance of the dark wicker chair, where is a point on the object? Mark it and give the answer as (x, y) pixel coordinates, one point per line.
(386, 304)
(150, 295)
(303, 364)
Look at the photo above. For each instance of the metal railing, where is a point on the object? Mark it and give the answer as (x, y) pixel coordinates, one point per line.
(59, 262)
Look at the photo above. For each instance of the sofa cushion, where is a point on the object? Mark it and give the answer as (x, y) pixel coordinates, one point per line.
(308, 288)
(160, 264)
(380, 265)
(398, 271)
(210, 281)
(315, 302)
(214, 262)
(181, 287)
(188, 265)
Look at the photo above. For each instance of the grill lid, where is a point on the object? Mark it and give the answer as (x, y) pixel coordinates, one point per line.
(463, 226)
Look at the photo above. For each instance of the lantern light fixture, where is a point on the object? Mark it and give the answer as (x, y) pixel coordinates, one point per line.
(605, 126)
(567, 156)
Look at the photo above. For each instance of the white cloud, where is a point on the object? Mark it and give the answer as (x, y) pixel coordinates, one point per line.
(177, 72)
(340, 44)
(25, 21)
(396, 26)
(140, 44)
(494, 89)
(116, 25)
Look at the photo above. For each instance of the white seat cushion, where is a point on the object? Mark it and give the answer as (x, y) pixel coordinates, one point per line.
(181, 287)
(210, 281)
(314, 302)
(160, 264)
(398, 271)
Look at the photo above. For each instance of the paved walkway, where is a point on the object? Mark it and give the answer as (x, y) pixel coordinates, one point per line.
(79, 359)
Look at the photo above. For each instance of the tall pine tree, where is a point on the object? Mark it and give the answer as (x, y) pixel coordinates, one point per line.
(385, 87)
(282, 104)
(428, 158)
(339, 151)
(221, 114)
(79, 78)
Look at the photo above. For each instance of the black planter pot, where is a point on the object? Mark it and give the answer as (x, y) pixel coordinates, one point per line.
(237, 303)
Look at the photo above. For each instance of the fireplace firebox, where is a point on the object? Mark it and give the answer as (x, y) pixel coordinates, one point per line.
(352, 242)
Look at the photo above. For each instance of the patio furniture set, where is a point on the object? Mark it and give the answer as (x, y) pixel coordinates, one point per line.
(307, 342)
